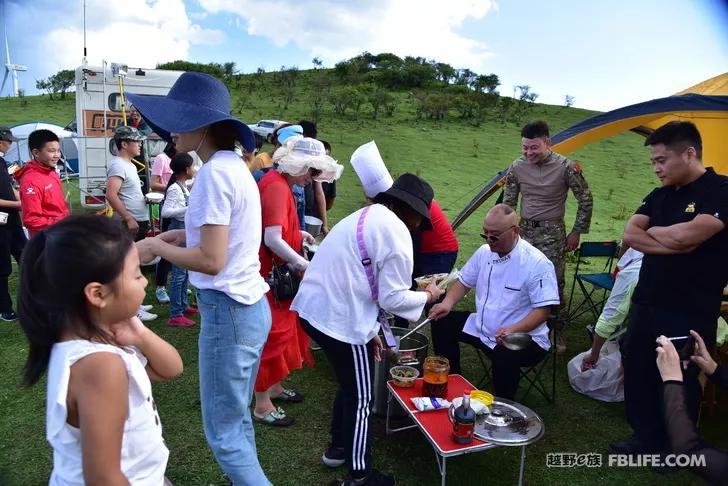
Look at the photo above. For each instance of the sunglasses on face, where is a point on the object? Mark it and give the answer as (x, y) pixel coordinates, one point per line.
(489, 236)
(314, 172)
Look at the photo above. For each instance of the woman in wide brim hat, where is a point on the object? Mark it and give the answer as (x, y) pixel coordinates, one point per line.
(299, 162)
(222, 234)
(363, 265)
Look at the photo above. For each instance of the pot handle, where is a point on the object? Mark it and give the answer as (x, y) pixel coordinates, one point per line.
(409, 361)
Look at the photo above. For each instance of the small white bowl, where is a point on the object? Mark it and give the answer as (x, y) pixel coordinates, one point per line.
(154, 197)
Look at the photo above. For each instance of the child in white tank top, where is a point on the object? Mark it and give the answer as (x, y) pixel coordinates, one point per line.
(80, 287)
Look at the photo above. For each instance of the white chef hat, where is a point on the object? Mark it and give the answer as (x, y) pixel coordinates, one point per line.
(370, 168)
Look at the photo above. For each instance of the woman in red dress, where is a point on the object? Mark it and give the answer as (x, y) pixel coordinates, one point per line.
(300, 160)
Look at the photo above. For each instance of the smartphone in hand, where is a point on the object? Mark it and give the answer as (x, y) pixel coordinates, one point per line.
(687, 350)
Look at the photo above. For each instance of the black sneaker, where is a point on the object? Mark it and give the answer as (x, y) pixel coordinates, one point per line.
(630, 446)
(334, 456)
(375, 478)
(9, 316)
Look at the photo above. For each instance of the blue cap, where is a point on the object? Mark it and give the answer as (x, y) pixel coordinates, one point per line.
(287, 132)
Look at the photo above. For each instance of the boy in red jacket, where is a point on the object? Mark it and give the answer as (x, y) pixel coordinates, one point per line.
(41, 195)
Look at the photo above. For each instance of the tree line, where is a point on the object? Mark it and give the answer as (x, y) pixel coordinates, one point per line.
(437, 90)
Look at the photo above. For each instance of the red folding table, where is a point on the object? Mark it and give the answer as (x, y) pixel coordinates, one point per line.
(436, 425)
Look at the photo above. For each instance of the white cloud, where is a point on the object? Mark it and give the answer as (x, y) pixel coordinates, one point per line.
(335, 30)
(198, 15)
(136, 32)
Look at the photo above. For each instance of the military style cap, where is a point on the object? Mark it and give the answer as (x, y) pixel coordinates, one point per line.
(7, 135)
(128, 133)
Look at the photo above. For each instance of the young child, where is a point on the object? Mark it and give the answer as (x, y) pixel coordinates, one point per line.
(41, 193)
(80, 288)
(175, 208)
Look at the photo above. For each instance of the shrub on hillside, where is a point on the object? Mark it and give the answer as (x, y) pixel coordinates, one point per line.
(212, 68)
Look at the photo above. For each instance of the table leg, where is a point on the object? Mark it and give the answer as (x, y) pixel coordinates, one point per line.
(523, 464)
(386, 420)
(444, 471)
(441, 466)
(387, 429)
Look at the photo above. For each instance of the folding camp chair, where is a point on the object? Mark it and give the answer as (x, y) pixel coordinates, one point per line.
(598, 282)
(532, 376)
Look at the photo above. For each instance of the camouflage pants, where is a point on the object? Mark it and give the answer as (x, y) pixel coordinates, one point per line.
(551, 240)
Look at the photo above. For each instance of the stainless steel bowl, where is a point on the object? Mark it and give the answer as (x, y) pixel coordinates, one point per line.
(517, 341)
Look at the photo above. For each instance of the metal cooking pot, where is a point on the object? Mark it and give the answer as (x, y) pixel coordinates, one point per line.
(412, 352)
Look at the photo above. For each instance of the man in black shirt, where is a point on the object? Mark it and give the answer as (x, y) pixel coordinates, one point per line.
(12, 238)
(681, 228)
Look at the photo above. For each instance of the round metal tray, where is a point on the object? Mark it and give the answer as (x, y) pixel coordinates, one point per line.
(509, 424)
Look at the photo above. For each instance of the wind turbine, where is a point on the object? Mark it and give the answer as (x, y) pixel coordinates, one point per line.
(10, 68)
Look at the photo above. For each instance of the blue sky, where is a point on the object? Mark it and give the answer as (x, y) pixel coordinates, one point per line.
(603, 53)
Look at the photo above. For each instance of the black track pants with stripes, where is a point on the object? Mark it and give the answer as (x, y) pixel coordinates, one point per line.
(354, 368)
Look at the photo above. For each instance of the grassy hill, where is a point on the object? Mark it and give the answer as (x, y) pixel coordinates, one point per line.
(456, 158)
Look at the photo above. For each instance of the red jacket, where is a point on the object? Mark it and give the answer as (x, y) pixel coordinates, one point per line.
(41, 196)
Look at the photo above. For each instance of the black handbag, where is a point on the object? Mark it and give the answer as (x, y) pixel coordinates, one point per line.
(283, 282)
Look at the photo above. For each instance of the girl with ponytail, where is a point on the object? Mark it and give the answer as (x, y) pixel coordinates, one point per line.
(80, 288)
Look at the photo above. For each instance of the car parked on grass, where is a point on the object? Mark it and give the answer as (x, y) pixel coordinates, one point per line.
(264, 129)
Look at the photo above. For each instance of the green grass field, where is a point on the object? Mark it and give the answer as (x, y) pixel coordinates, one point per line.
(456, 158)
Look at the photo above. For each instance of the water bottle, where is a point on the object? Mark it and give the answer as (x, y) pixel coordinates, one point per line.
(463, 421)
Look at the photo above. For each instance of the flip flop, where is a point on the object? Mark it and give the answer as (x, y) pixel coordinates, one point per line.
(277, 418)
(290, 396)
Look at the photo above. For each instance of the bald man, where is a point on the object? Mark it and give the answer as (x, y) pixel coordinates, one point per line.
(515, 288)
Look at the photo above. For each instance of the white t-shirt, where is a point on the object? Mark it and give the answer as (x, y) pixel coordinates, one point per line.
(507, 289)
(334, 296)
(143, 453)
(226, 194)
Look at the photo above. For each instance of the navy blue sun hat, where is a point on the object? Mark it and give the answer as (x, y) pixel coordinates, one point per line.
(195, 100)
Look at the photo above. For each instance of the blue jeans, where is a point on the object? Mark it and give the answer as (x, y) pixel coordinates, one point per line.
(178, 282)
(231, 341)
(299, 195)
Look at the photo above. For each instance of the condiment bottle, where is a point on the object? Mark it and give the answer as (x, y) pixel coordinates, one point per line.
(463, 421)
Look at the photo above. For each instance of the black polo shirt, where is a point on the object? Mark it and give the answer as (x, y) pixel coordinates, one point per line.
(7, 193)
(691, 282)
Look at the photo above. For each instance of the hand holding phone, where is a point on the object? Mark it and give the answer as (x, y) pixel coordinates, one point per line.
(685, 347)
(668, 361)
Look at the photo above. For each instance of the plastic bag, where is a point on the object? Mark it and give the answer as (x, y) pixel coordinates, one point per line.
(425, 404)
(605, 382)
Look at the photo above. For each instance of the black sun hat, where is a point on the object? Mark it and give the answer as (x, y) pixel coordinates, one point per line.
(415, 192)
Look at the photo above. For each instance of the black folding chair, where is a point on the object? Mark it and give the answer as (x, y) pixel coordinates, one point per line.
(532, 375)
(591, 284)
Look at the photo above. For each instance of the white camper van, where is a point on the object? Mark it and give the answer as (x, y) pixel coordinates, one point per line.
(98, 112)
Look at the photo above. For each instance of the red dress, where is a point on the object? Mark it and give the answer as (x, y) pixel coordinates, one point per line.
(287, 347)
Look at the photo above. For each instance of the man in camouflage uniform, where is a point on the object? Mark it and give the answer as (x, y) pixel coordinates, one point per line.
(543, 178)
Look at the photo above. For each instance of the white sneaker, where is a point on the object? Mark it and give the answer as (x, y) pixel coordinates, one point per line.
(146, 307)
(162, 296)
(145, 316)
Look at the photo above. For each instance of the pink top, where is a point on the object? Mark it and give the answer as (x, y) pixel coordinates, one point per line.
(160, 167)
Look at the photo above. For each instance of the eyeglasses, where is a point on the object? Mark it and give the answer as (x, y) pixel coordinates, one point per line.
(495, 236)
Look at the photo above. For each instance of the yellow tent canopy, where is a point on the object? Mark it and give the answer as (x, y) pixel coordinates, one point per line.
(705, 104)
